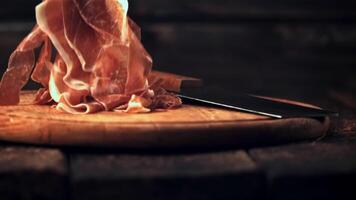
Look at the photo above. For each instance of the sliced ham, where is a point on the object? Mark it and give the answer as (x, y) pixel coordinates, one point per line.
(100, 62)
(42, 70)
(21, 64)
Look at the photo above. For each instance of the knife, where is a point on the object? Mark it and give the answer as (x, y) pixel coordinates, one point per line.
(249, 103)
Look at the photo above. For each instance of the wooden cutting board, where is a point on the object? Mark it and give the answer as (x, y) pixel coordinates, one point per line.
(189, 126)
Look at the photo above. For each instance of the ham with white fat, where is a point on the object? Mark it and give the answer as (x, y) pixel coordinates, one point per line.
(100, 62)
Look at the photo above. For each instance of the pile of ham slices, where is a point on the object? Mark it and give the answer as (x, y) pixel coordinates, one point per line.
(97, 64)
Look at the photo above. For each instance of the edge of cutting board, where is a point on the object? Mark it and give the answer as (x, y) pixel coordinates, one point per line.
(189, 126)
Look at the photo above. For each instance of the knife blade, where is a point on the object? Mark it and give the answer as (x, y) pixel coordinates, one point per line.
(249, 103)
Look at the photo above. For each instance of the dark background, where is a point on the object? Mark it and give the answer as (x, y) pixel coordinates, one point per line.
(285, 48)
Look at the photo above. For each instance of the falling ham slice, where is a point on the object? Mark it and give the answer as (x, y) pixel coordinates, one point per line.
(100, 63)
(21, 64)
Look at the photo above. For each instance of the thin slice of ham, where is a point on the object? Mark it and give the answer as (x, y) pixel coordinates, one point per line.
(100, 62)
(21, 64)
(42, 71)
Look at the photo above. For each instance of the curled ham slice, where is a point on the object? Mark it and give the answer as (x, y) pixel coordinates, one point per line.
(21, 64)
(99, 61)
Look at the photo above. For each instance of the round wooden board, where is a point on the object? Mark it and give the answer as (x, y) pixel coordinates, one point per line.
(188, 126)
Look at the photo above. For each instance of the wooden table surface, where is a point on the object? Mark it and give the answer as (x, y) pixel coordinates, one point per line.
(304, 50)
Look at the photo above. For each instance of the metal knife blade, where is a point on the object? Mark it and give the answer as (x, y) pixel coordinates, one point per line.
(249, 103)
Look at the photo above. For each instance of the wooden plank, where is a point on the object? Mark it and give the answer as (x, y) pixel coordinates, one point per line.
(187, 126)
(225, 175)
(32, 173)
(345, 98)
(347, 125)
(321, 170)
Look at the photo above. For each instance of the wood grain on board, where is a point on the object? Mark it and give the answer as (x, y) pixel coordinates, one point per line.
(188, 126)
